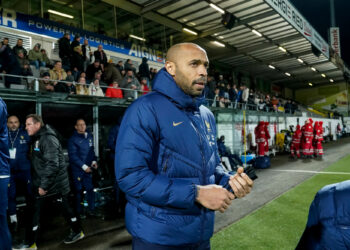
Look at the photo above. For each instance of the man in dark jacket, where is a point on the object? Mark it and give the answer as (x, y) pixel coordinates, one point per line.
(144, 70)
(328, 223)
(49, 177)
(64, 50)
(5, 237)
(19, 47)
(167, 161)
(100, 55)
(82, 161)
(20, 167)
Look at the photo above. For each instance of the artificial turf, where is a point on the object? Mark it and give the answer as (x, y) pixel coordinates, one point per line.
(280, 223)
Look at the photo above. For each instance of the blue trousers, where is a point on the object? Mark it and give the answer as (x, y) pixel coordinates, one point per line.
(5, 237)
(19, 179)
(83, 182)
(139, 244)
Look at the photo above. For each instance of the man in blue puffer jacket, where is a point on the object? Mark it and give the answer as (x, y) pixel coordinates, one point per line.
(82, 161)
(328, 225)
(5, 237)
(19, 142)
(167, 162)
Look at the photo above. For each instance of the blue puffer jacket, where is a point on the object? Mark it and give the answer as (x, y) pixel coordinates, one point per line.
(4, 149)
(328, 225)
(166, 145)
(21, 141)
(80, 151)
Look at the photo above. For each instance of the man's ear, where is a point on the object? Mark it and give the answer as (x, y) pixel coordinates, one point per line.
(170, 68)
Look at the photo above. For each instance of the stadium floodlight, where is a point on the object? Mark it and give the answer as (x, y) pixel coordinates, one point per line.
(272, 67)
(219, 44)
(310, 84)
(331, 80)
(257, 33)
(313, 69)
(287, 74)
(60, 14)
(190, 31)
(300, 60)
(282, 49)
(137, 37)
(323, 75)
(217, 8)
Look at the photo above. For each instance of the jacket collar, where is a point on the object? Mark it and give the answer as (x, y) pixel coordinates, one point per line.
(165, 84)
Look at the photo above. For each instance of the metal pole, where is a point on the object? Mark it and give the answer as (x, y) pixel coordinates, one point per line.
(95, 129)
(332, 9)
(82, 14)
(38, 108)
(42, 8)
(115, 21)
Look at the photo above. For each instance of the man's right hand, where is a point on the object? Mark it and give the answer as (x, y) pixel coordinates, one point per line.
(88, 170)
(214, 197)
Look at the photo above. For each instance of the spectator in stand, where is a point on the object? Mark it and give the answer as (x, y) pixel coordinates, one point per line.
(239, 97)
(144, 70)
(77, 62)
(128, 65)
(114, 91)
(64, 50)
(70, 77)
(153, 73)
(92, 69)
(86, 57)
(245, 95)
(35, 57)
(101, 56)
(123, 73)
(103, 85)
(75, 43)
(21, 59)
(216, 98)
(58, 74)
(69, 83)
(222, 80)
(120, 66)
(19, 47)
(288, 107)
(130, 82)
(211, 84)
(95, 89)
(111, 73)
(251, 100)
(144, 87)
(82, 161)
(9, 65)
(274, 103)
(81, 88)
(45, 85)
(294, 107)
(5, 42)
(27, 71)
(261, 105)
(46, 59)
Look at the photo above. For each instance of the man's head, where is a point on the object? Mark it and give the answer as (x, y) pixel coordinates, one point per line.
(58, 65)
(43, 51)
(82, 80)
(33, 124)
(143, 81)
(46, 77)
(67, 35)
(187, 63)
(97, 63)
(20, 54)
(19, 42)
(120, 63)
(77, 38)
(13, 123)
(115, 84)
(5, 41)
(80, 126)
(129, 73)
(100, 47)
(37, 47)
(98, 75)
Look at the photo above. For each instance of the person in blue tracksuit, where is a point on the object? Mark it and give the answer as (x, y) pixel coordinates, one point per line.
(5, 237)
(328, 225)
(82, 160)
(167, 162)
(20, 167)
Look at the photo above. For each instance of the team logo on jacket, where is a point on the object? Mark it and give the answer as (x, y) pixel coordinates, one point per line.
(36, 147)
(177, 123)
(208, 126)
(90, 143)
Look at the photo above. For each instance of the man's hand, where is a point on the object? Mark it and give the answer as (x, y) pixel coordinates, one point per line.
(41, 191)
(88, 170)
(240, 183)
(94, 165)
(214, 197)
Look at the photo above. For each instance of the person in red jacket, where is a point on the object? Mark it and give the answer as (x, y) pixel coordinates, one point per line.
(260, 138)
(114, 91)
(318, 139)
(267, 137)
(144, 87)
(308, 135)
(296, 139)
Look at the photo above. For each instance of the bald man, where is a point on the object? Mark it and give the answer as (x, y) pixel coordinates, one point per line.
(167, 161)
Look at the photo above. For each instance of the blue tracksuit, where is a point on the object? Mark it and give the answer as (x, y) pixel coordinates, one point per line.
(328, 225)
(166, 146)
(19, 165)
(81, 151)
(5, 237)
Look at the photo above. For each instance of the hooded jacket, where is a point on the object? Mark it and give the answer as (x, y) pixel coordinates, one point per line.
(4, 150)
(328, 225)
(166, 146)
(49, 170)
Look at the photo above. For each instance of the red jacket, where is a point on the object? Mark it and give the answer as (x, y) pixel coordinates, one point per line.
(113, 92)
(297, 135)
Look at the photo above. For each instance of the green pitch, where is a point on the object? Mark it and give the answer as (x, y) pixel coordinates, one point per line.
(280, 223)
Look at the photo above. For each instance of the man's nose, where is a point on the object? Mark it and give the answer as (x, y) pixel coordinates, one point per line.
(202, 70)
